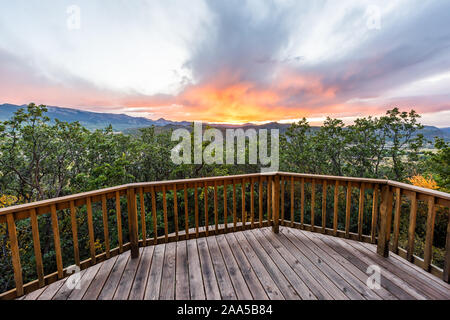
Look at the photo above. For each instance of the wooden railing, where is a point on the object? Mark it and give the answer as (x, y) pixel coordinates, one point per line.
(266, 199)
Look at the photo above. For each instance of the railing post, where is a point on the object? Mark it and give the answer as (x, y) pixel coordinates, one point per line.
(384, 232)
(275, 203)
(446, 273)
(132, 222)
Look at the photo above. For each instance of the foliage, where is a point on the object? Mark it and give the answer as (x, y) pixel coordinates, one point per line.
(424, 182)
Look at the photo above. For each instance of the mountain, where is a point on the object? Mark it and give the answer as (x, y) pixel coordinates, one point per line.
(92, 120)
(447, 130)
(130, 125)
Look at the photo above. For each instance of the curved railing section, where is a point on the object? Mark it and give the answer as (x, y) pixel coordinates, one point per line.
(142, 214)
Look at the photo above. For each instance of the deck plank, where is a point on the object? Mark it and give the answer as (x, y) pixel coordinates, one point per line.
(86, 280)
(182, 273)
(153, 288)
(239, 284)
(319, 263)
(65, 291)
(223, 278)
(283, 284)
(395, 275)
(353, 265)
(414, 270)
(250, 277)
(168, 276)
(296, 282)
(51, 290)
(33, 295)
(268, 283)
(140, 280)
(110, 287)
(389, 290)
(126, 281)
(99, 280)
(295, 265)
(327, 257)
(209, 277)
(317, 272)
(196, 288)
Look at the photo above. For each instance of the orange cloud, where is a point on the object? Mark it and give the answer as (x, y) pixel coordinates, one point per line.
(288, 96)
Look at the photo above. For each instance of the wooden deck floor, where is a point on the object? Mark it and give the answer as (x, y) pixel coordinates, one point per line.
(252, 264)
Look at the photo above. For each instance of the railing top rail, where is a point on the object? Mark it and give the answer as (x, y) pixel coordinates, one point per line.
(430, 192)
(47, 202)
(340, 178)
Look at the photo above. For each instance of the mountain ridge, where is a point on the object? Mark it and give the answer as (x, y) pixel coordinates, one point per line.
(91, 120)
(130, 125)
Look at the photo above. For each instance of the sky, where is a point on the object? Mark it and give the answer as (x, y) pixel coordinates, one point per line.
(229, 61)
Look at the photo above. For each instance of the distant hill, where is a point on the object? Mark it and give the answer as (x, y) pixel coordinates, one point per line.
(447, 130)
(91, 120)
(131, 125)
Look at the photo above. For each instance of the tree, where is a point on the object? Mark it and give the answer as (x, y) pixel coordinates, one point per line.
(401, 129)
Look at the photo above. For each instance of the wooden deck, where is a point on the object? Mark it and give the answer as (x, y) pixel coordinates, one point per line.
(251, 264)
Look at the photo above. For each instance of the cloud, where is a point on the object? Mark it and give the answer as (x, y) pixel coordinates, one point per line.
(233, 61)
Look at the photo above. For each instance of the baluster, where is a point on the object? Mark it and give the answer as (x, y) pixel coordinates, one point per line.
(37, 247)
(225, 209)
(269, 199)
(234, 206)
(105, 225)
(57, 241)
(244, 214)
(428, 254)
(90, 230)
(73, 220)
(373, 231)
(143, 222)
(186, 211)
(119, 222)
(196, 209)
(292, 201)
(252, 204)
(302, 203)
(276, 203)
(336, 207)
(313, 202)
(166, 225)
(282, 200)
(398, 202)
(205, 192)
(15, 255)
(216, 214)
(412, 227)
(324, 205)
(361, 211)
(260, 201)
(155, 222)
(347, 209)
(175, 210)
